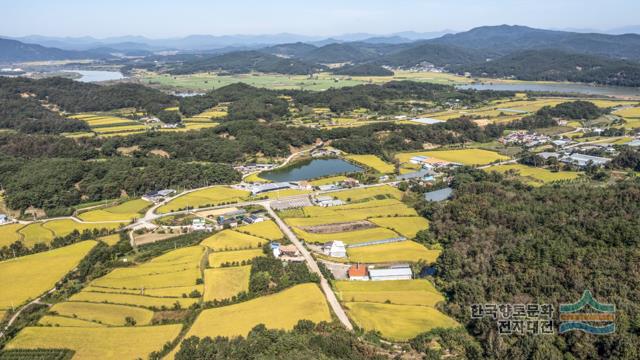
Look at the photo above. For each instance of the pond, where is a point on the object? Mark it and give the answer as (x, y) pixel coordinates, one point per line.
(570, 88)
(312, 169)
(97, 75)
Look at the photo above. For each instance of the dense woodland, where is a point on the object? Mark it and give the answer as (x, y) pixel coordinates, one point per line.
(60, 183)
(244, 62)
(555, 65)
(73, 96)
(254, 102)
(509, 243)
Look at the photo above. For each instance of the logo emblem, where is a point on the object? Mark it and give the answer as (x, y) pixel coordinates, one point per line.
(576, 317)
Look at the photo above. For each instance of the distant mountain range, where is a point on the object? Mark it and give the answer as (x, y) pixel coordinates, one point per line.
(504, 51)
(210, 42)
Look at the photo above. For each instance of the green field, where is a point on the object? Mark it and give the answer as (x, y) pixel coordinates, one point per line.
(223, 283)
(266, 229)
(319, 82)
(107, 314)
(534, 176)
(27, 277)
(232, 240)
(373, 162)
(109, 343)
(405, 226)
(125, 212)
(398, 322)
(278, 311)
(208, 197)
(465, 156)
(405, 251)
(217, 259)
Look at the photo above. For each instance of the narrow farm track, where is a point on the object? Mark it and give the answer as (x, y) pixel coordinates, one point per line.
(17, 314)
(313, 266)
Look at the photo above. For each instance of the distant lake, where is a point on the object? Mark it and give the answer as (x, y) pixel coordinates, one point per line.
(310, 170)
(560, 88)
(97, 75)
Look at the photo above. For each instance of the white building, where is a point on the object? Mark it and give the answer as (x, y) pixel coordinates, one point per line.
(327, 201)
(398, 272)
(4, 219)
(582, 160)
(335, 249)
(200, 225)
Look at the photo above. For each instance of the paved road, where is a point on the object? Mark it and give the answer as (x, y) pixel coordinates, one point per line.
(313, 266)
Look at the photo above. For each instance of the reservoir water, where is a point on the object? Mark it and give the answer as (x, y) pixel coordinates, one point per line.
(97, 75)
(571, 88)
(310, 170)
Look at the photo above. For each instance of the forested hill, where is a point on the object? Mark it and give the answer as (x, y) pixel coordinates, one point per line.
(14, 51)
(245, 62)
(504, 39)
(556, 65)
(75, 96)
(509, 243)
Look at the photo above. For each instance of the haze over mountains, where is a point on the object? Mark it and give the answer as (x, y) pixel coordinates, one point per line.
(496, 51)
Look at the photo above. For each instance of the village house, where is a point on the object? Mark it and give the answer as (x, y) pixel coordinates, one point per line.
(253, 219)
(358, 272)
(289, 250)
(422, 175)
(275, 249)
(4, 219)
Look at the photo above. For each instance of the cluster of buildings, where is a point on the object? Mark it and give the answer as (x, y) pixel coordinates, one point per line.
(324, 152)
(360, 272)
(524, 138)
(158, 196)
(252, 168)
(230, 219)
(576, 159)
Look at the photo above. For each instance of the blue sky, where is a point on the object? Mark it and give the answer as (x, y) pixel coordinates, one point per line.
(161, 18)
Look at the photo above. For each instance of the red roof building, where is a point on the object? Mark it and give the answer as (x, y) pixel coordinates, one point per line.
(358, 272)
